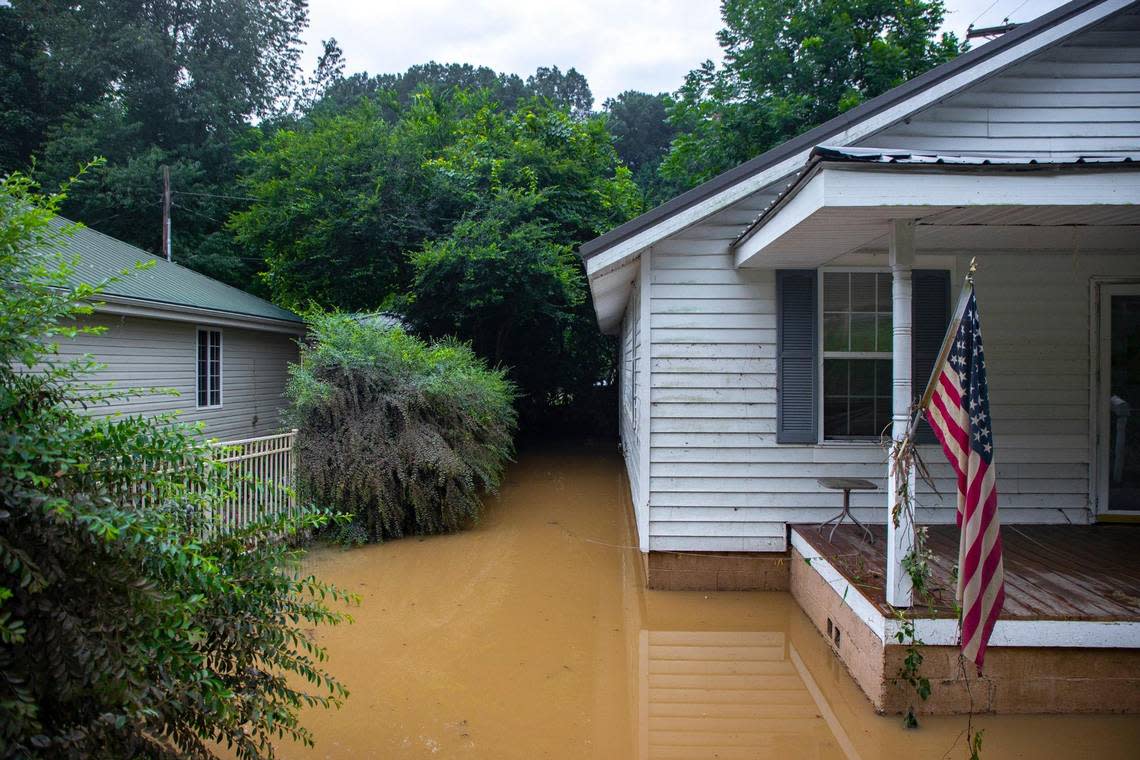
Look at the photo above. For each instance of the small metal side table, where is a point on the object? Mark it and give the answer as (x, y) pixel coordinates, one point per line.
(846, 485)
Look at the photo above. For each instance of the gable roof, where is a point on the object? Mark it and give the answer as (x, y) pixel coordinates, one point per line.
(165, 284)
(897, 103)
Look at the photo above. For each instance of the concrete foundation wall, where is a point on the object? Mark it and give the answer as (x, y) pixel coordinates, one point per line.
(721, 571)
(1016, 680)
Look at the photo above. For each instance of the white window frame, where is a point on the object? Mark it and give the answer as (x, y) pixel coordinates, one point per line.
(221, 367)
(820, 272)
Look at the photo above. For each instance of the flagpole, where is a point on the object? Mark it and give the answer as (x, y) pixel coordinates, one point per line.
(944, 352)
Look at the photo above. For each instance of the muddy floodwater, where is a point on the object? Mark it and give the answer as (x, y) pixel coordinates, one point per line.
(531, 636)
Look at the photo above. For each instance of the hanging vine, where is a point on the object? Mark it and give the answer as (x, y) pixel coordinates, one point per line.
(905, 458)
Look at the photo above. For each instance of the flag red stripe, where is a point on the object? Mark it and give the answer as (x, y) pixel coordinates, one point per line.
(959, 416)
(948, 427)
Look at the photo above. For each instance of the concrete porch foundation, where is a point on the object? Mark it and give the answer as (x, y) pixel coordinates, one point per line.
(1045, 678)
(720, 571)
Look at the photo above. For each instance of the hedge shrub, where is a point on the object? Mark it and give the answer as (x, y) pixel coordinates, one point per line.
(402, 434)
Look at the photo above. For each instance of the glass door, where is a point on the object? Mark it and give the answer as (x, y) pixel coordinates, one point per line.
(1120, 399)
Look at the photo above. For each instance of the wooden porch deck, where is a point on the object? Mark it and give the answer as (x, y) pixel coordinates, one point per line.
(1052, 572)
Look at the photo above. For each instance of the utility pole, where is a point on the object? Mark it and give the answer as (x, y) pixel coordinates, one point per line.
(166, 246)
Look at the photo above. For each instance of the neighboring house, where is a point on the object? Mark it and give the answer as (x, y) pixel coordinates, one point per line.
(755, 311)
(225, 351)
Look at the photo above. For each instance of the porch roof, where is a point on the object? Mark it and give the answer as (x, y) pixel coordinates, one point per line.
(847, 198)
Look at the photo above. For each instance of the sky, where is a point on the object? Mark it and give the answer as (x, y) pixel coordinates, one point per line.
(618, 45)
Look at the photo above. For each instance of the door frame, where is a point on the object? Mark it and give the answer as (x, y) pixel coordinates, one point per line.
(1102, 291)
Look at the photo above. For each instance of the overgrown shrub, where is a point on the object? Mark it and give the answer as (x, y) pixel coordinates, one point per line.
(400, 433)
(123, 634)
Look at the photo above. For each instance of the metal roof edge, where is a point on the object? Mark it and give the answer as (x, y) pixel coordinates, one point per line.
(824, 157)
(837, 124)
(161, 261)
(115, 304)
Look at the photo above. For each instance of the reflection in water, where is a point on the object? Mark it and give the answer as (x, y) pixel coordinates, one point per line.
(729, 694)
(531, 636)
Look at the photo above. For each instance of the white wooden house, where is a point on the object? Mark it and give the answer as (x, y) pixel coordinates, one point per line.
(226, 352)
(766, 317)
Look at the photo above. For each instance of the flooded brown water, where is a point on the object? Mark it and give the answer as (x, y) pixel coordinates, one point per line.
(531, 636)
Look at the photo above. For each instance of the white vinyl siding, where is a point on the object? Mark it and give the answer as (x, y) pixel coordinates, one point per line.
(633, 417)
(719, 480)
(1078, 97)
(627, 419)
(151, 353)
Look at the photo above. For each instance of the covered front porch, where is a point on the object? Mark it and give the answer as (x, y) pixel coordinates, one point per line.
(1056, 242)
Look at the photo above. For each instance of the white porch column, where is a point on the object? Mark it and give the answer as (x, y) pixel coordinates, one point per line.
(900, 540)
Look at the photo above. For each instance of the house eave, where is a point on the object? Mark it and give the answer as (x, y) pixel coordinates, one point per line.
(106, 303)
(861, 200)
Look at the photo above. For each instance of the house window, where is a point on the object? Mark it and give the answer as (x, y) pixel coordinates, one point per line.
(856, 332)
(209, 373)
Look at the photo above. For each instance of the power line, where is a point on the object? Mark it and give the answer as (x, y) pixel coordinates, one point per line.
(197, 213)
(987, 10)
(218, 195)
(1015, 10)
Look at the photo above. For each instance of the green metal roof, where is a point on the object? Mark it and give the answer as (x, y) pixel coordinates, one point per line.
(165, 283)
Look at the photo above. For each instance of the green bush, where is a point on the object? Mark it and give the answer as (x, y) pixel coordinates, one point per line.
(403, 435)
(123, 634)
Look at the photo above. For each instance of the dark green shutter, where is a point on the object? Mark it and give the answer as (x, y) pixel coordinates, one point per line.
(796, 369)
(930, 312)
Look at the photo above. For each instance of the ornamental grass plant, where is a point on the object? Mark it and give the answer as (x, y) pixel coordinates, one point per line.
(403, 435)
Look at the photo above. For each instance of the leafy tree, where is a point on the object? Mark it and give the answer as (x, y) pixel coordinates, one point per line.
(147, 84)
(569, 90)
(124, 631)
(394, 93)
(501, 281)
(639, 123)
(401, 434)
(556, 180)
(27, 109)
(790, 65)
(340, 199)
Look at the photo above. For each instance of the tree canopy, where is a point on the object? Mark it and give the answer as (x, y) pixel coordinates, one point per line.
(790, 65)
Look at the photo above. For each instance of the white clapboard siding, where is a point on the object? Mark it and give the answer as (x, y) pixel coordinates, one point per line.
(719, 481)
(634, 359)
(1078, 97)
(145, 353)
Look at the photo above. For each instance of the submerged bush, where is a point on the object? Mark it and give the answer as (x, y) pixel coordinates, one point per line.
(123, 632)
(401, 434)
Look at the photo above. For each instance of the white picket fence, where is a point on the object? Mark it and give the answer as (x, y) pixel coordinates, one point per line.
(259, 477)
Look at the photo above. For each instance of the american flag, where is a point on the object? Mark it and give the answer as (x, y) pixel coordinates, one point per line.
(959, 412)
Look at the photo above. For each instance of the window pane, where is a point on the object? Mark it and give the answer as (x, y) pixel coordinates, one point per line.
(884, 372)
(863, 377)
(884, 280)
(863, 291)
(834, 417)
(835, 331)
(215, 397)
(882, 414)
(835, 377)
(886, 334)
(862, 332)
(835, 291)
(861, 419)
